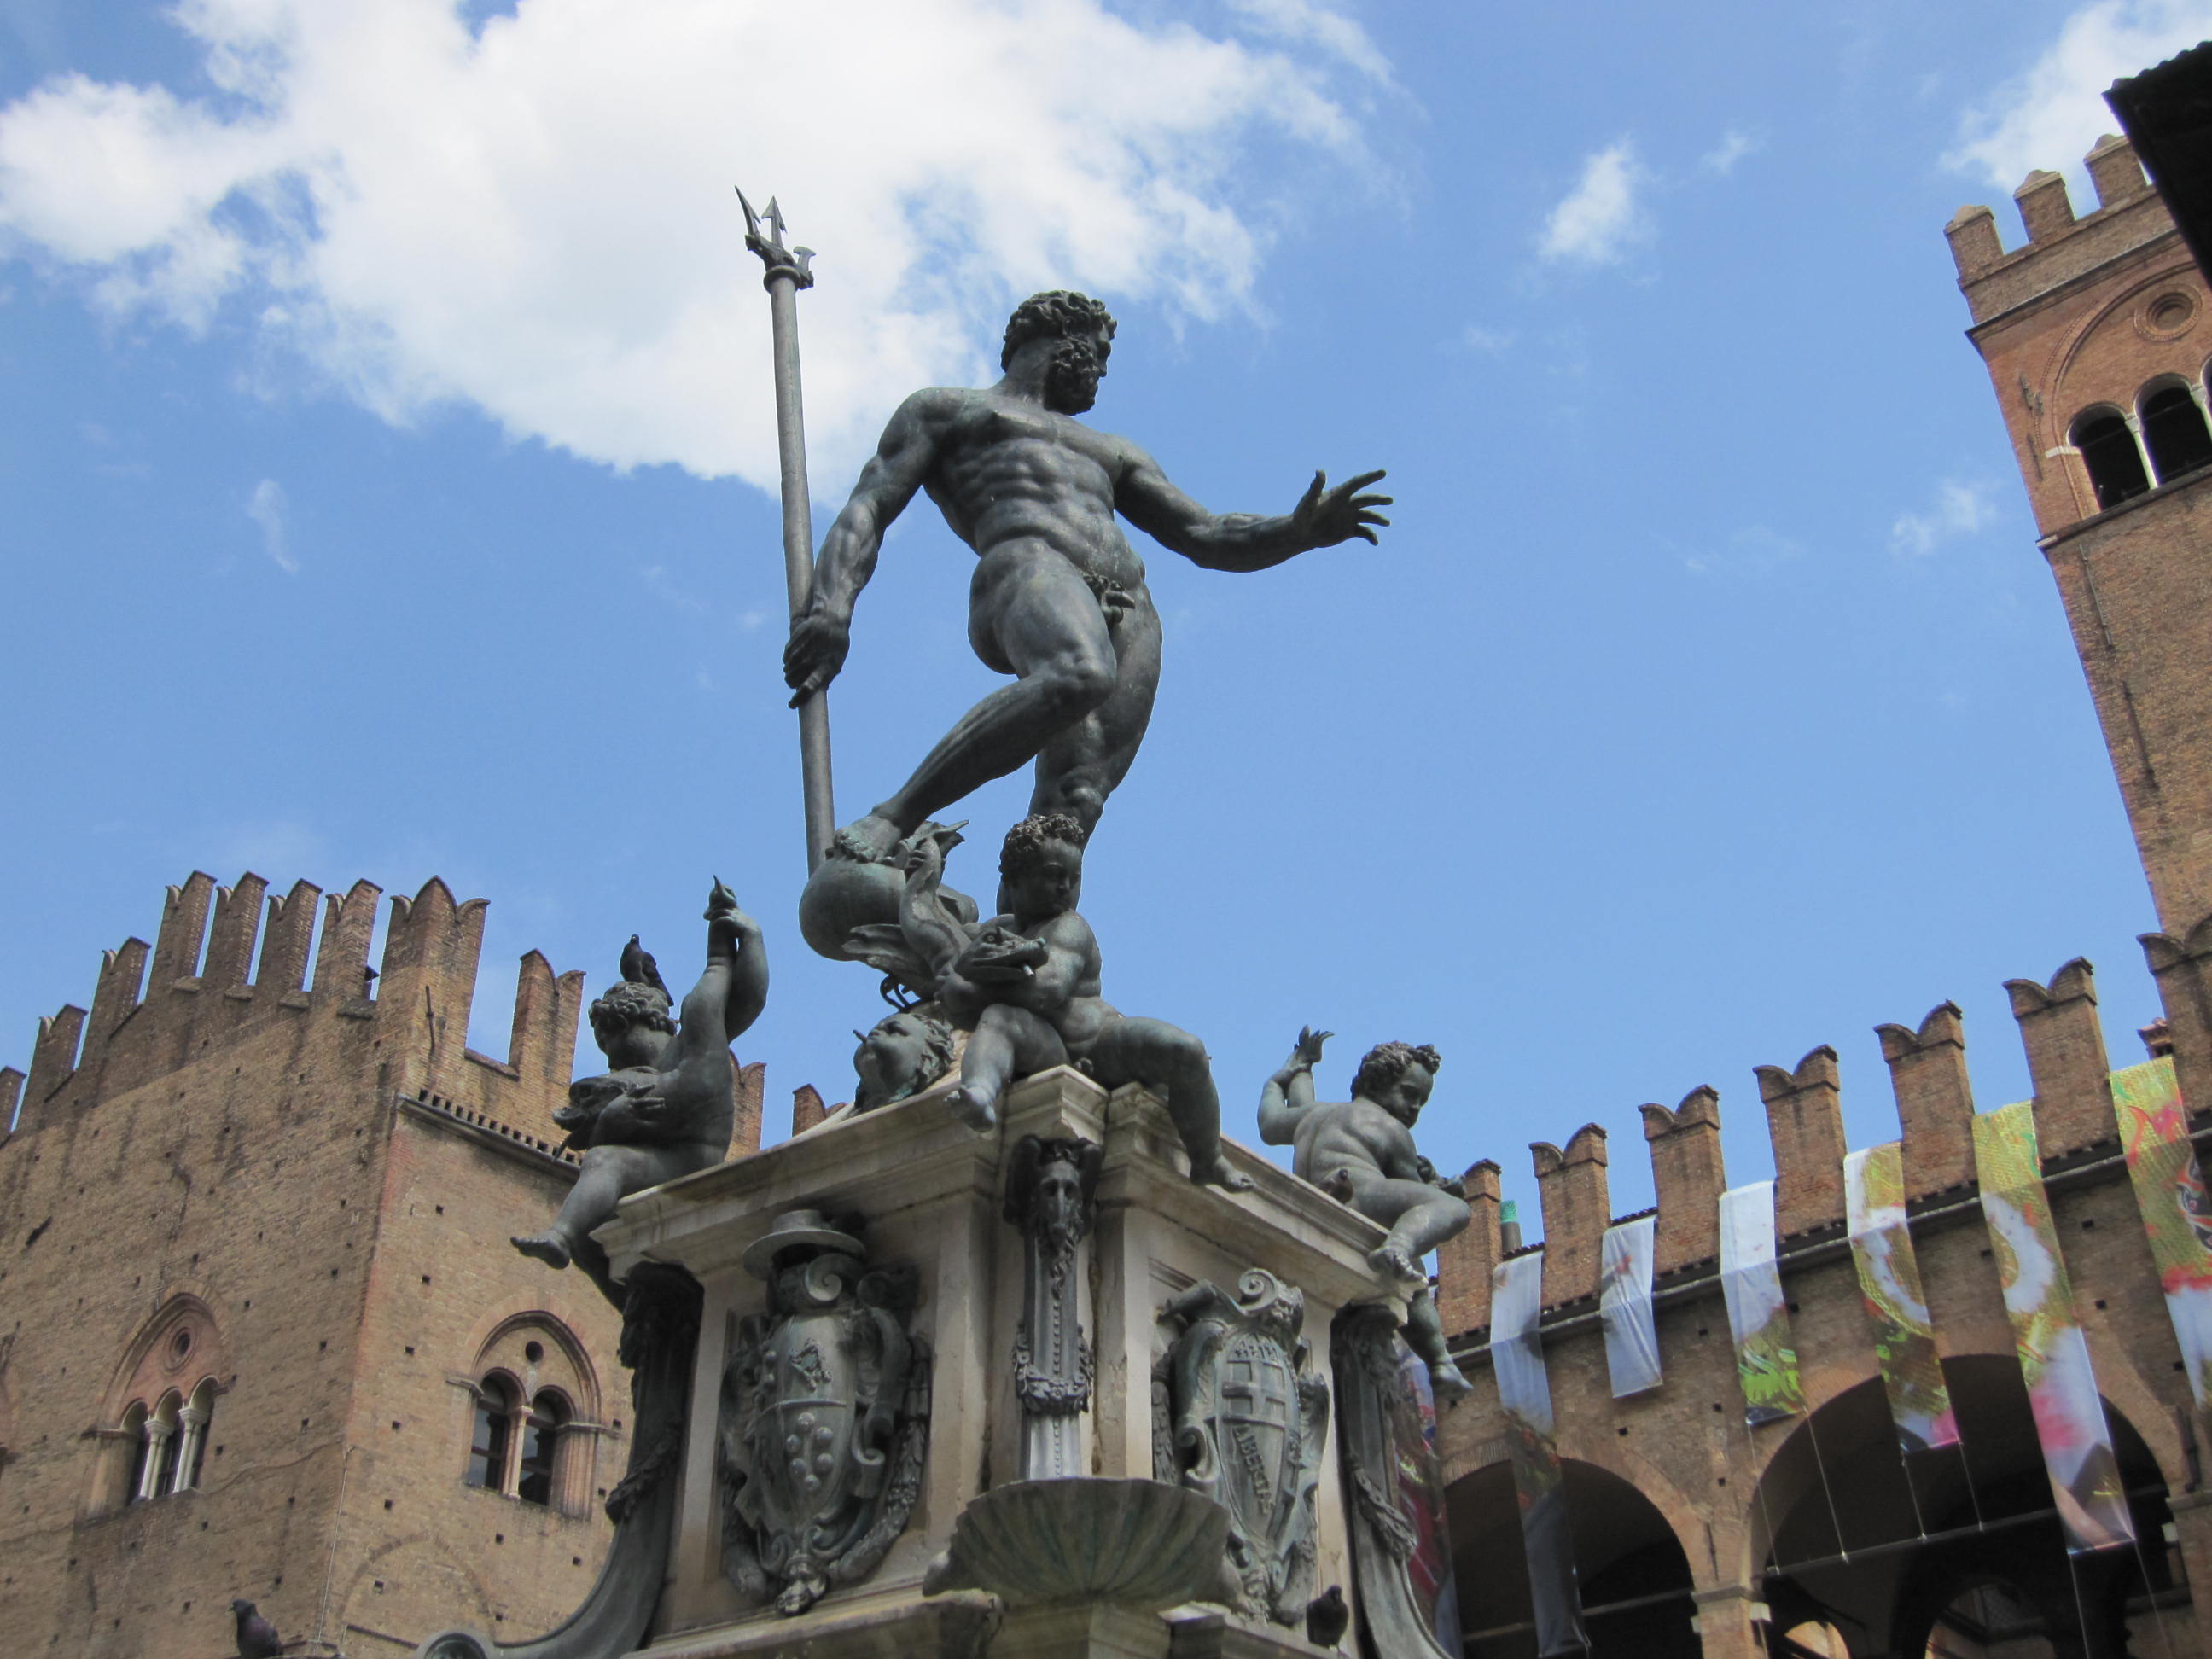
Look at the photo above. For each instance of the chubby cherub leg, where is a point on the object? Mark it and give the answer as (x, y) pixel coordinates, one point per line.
(1425, 1335)
(1007, 1042)
(609, 1175)
(1169, 1059)
(591, 1202)
(1420, 1216)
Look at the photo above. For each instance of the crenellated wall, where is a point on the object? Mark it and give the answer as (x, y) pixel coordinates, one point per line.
(198, 988)
(2066, 1054)
(1719, 1486)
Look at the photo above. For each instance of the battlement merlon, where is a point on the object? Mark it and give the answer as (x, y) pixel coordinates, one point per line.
(1935, 1098)
(181, 999)
(2060, 247)
(1687, 1177)
(1577, 1208)
(2064, 1043)
(1465, 1261)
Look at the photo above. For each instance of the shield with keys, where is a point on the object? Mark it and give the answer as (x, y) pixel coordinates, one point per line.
(1248, 1420)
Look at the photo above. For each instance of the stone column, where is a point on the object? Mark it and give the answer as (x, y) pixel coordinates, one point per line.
(157, 1437)
(194, 1426)
(1726, 1614)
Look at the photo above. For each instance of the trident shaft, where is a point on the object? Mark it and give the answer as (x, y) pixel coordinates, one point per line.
(789, 270)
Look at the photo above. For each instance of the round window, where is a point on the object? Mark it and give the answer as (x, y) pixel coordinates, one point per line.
(533, 1351)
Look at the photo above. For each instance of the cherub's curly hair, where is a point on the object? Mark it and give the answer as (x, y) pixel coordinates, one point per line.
(937, 1036)
(1386, 1063)
(1053, 316)
(1028, 838)
(628, 1003)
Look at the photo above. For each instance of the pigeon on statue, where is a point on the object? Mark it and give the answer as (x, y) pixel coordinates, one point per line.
(257, 1636)
(1326, 1617)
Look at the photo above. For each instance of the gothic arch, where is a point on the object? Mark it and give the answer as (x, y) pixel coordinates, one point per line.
(1844, 1530)
(530, 1425)
(1631, 1566)
(149, 1438)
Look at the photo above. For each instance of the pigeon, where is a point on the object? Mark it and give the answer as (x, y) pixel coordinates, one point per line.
(1326, 1618)
(257, 1636)
(638, 966)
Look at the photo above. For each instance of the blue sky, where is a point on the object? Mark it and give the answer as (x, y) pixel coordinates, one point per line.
(388, 410)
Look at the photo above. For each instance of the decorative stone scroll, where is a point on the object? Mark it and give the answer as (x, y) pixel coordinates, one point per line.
(1249, 1419)
(825, 1416)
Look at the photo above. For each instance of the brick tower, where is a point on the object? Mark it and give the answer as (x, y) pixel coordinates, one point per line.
(261, 1331)
(2096, 333)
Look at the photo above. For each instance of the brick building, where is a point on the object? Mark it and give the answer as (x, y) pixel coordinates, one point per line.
(1693, 1532)
(261, 1333)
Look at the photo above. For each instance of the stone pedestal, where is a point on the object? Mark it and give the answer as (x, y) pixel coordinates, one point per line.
(931, 1193)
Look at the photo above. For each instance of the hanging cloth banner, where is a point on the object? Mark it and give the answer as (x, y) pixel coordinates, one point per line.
(1758, 1317)
(2176, 1212)
(1624, 1306)
(1421, 1497)
(1516, 1358)
(1889, 1282)
(2054, 1355)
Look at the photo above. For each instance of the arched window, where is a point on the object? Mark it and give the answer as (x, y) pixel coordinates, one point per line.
(2174, 431)
(541, 1437)
(160, 1404)
(2108, 450)
(197, 1414)
(163, 1444)
(134, 1425)
(495, 1403)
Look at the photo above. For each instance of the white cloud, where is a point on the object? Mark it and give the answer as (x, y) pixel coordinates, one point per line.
(1960, 509)
(536, 217)
(1304, 21)
(2051, 116)
(1488, 341)
(1601, 216)
(1733, 146)
(1754, 550)
(266, 508)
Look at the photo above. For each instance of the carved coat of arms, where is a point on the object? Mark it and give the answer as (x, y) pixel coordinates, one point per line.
(1247, 1420)
(825, 1416)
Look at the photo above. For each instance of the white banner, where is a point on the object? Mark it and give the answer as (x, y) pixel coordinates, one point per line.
(1524, 1388)
(1624, 1304)
(1759, 1315)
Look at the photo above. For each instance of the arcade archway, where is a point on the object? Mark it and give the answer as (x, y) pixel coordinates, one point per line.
(1635, 1580)
(1955, 1554)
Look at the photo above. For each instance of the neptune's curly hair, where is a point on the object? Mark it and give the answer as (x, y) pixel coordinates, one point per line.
(1055, 315)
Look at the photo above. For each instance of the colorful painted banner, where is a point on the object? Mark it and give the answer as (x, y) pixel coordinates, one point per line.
(1759, 1315)
(1524, 1388)
(2176, 1213)
(1889, 1282)
(2054, 1355)
(1624, 1305)
(1421, 1499)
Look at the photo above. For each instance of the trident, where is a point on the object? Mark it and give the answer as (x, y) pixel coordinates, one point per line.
(789, 270)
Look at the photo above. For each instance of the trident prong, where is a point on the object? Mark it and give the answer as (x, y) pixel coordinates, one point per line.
(798, 261)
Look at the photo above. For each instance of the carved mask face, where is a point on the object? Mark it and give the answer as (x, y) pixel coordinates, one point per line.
(1059, 1202)
(1071, 384)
